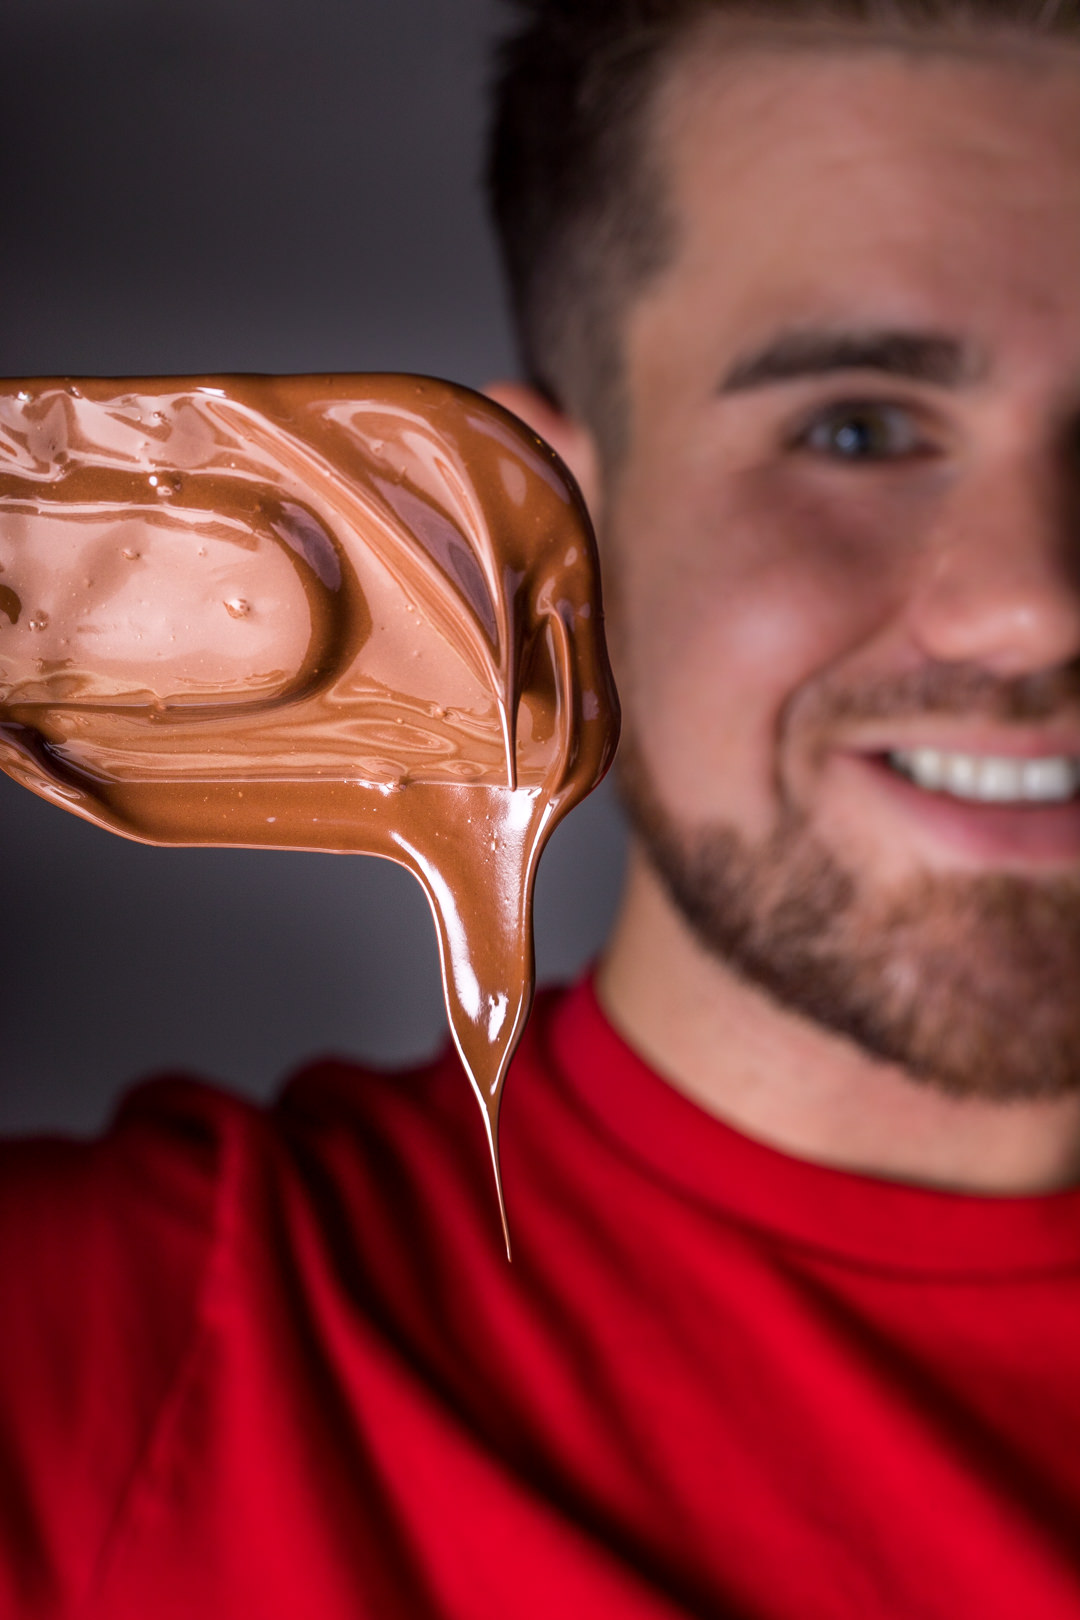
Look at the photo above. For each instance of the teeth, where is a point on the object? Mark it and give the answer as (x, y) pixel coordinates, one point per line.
(991, 779)
(1051, 778)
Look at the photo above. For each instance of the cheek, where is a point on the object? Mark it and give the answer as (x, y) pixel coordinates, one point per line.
(719, 627)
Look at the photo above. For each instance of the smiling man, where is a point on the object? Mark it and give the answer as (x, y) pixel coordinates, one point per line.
(844, 587)
(798, 292)
(794, 1179)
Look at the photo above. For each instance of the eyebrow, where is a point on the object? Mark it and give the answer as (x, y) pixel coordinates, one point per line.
(924, 357)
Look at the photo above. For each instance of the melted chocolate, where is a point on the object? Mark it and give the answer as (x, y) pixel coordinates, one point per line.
(338, 613)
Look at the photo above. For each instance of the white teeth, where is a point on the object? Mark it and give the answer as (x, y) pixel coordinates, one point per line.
(990, 778)
(961, 774)
(926, 766)
(1000, 780)
(1050, 779)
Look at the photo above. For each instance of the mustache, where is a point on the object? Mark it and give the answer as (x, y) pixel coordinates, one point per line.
(960, 691)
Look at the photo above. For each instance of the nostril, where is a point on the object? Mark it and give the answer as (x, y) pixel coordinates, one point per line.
(1007, 600)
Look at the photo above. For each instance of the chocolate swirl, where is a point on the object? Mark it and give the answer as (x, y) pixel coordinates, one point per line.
(339, 613)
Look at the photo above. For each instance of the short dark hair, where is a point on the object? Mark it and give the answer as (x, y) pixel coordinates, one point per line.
(578, 203)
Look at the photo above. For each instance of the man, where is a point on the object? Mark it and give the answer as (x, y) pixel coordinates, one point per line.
(796, 1294)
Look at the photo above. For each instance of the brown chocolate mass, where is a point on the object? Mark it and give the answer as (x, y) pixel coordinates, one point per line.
(354, 613)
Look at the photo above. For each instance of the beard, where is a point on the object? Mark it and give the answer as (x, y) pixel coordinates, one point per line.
(969, 983)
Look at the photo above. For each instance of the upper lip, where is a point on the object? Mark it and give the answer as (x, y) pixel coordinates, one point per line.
(985, 742)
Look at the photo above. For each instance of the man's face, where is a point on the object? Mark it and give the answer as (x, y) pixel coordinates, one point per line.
(845, 544)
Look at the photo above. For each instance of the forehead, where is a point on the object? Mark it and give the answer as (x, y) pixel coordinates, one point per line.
(839, 178)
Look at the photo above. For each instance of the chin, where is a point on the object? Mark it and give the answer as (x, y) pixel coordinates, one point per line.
(966, 980)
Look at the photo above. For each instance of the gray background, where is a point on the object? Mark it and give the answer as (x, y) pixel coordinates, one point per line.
(263, 185)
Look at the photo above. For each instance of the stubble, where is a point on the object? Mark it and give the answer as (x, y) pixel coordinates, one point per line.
(971, 983)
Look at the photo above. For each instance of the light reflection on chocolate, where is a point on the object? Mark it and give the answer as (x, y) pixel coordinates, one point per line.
(354, 613)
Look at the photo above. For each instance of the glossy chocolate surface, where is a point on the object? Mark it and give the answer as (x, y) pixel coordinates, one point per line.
(353, 613)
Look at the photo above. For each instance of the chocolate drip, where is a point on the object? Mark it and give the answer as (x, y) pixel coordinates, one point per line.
(338, 613)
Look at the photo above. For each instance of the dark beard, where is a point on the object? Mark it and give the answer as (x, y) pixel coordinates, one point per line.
(971, 984)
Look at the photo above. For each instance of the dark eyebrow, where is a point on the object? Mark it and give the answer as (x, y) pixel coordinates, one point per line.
(918, 356)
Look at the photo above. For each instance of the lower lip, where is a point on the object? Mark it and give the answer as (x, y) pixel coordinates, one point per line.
(999, 833)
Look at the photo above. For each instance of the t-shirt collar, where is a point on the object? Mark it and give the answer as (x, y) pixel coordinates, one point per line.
(858, 1218)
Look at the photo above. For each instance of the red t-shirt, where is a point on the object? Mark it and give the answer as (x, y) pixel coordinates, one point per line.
(258, 1364)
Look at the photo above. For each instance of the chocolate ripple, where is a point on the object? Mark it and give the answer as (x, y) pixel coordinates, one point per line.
(351, 613)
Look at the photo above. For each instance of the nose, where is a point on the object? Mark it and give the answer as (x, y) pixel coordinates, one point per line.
(999, 578)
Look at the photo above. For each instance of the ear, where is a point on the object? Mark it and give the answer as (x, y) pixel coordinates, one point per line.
(569, 439)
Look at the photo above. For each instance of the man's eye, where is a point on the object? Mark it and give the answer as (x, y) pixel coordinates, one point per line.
(864, 433)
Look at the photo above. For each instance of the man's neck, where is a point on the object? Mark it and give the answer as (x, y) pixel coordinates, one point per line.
(792, 1084)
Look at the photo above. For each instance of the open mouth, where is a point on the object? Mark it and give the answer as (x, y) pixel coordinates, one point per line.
(990, 778)
(971, 805)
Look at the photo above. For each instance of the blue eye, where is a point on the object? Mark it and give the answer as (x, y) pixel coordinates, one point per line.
(863, 432)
